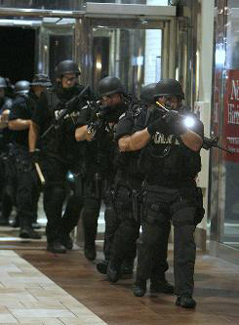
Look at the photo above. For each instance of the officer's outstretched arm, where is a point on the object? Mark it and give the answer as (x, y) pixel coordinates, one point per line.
(192, 140)
(19, 124)
(82, 133)
(136, 141)
(33, 136)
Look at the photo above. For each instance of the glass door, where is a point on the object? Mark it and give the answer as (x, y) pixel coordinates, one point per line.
(138, 52)
(132, 55)
(56, 43)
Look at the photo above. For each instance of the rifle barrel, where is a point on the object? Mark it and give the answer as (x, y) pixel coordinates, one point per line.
(224, 149)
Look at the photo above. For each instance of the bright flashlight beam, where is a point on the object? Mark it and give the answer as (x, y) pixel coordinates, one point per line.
(189, 121)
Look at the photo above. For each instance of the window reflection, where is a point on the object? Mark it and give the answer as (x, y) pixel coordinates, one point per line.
(225, 167)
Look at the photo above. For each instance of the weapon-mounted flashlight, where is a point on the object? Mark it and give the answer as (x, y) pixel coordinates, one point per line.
(188, 121)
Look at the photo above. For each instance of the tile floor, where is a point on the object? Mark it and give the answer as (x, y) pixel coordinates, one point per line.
(29, 297)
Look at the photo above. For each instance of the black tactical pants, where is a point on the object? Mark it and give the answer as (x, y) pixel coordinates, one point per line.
(8, 185)
(55, 196)
(160, 205)
(27, 189)
(96, 191)
(128, 223)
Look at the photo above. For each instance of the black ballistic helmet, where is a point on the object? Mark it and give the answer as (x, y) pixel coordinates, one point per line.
(109, 86)
(65, 67)
(3, 83)
(168, 87)
(22, 87)
(147, 94)
(41, 80)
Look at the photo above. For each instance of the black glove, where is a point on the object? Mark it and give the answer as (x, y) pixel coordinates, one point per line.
(34, 156)
(159, 125)
(175, 122)
(84, 117)
(93, 128)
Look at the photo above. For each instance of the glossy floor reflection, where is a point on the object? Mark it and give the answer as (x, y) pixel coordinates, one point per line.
(216, 291)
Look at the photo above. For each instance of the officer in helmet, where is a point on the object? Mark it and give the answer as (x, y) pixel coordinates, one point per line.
(5, 105)
(5, 139)
(97, 126)
(147, 95)
(60, 154)
(39, 84)
(171, 141)
(127, 204)
(19, 123)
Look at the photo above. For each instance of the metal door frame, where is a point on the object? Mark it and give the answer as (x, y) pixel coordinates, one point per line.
(112, 15)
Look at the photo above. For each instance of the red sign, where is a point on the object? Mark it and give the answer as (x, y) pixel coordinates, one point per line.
(231, 116)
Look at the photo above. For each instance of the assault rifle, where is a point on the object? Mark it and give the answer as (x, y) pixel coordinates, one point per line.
(69, 107)
(208, 143)
(100, 116)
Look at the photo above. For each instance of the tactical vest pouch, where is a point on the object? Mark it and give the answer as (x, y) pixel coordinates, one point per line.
(153, 213)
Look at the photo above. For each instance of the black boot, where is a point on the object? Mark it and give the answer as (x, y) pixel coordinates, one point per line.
(127, 267)
(102, 266)
(26, 230)
(90, 252)
(161, 287)
(56, 247)
(113, 271)
(185, 301)
(29, 233)
(139, 288)
(67, 241)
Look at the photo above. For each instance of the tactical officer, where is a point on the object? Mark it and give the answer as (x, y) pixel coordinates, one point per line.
(19, 122)
(128, 193)
(40, 83)
(97, 125)
(5, 139)
(171, 161)
(59, 153)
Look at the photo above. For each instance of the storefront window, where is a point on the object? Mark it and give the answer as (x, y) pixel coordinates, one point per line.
(225, 124)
